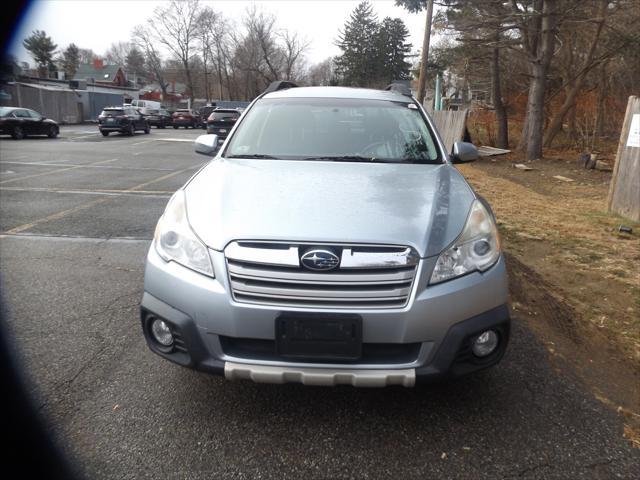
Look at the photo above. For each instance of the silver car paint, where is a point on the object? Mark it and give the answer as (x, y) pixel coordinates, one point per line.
(423, 206)
(221, 209)
(426, 318)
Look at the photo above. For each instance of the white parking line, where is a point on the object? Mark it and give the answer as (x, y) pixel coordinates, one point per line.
(115, 167)
(142, 142)
(69, 238)
(80, 191)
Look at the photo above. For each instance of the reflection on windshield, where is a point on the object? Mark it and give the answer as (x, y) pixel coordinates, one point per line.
(334, 129)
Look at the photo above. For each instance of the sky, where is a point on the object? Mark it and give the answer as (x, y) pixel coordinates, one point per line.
(96, 24)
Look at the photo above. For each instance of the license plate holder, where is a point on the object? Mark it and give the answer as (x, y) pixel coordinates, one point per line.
(319, 336)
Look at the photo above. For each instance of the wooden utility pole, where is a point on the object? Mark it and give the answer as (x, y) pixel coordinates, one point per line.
(422, 79)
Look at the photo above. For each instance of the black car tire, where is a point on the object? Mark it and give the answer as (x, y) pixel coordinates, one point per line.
(131, 131)
(18, 133)
(175, 126)
(53, 131)
(104, 134)
(147, 128)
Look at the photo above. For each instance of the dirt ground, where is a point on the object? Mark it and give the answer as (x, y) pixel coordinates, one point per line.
(574, 277)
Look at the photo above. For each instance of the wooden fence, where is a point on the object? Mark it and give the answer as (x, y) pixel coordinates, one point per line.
(451, 124)
(624, 190)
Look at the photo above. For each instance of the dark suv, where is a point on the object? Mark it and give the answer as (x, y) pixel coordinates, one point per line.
(221, 121)
(122, 119)
(159, 118)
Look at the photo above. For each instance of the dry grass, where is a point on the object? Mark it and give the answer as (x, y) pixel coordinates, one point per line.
(560, 230)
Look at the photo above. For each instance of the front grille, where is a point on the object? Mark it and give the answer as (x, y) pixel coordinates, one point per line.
(381, 284)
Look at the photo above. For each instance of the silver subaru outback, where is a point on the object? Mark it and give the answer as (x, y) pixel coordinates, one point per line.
(330, 241)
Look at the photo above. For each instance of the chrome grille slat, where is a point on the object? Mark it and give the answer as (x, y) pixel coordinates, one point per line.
(305, 275)
(284, 284)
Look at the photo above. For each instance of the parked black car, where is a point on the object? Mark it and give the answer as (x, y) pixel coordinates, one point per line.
(221, 121)
(186, 118)
(159, 118)
(21, 122)
(122, 119)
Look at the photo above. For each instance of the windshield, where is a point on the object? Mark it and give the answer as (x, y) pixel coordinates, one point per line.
(334, 129)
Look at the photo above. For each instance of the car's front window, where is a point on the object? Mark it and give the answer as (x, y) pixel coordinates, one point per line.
(334, 129)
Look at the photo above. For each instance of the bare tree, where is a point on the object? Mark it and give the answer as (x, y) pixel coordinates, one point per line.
(208, 23)
(117, 53)
(322, 73)
(153, 61)
(86, 55)
(293, 48)
(176, 27)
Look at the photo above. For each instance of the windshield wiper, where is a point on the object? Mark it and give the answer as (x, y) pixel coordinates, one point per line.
(254, 155)
(348, 158)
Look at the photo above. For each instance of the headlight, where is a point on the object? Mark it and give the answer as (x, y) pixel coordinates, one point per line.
(175, 241)
(477, 248)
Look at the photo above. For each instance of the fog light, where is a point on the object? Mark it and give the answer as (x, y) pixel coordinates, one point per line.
(485, 343)
(161, 332)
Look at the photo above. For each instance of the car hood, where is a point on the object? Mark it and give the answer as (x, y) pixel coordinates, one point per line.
(423, 206)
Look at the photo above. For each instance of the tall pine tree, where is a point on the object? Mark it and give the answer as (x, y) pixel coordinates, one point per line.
(41, 48)
(373, 53)
(356, 66)
(71, 60)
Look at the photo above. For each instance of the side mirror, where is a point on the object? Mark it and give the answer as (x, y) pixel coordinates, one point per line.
(464, 152)
(206, 144)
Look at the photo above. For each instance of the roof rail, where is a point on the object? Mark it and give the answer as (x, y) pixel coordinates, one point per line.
(401, 88)
(279, 85)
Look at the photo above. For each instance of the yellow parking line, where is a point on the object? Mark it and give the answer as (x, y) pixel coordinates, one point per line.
(57, 171)
(56, 216)
(84, 206)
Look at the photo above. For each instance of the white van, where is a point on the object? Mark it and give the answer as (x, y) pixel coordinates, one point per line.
(145, 105)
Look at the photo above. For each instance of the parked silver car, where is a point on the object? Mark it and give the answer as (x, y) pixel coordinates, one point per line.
(330, 241)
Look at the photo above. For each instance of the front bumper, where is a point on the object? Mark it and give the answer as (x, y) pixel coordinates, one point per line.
(439, 320)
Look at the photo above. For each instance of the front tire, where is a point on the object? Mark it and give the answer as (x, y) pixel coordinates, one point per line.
(53, 132)
(18, 133)
(131, 131)
(147, 129)
(175, 127)
(104, 134)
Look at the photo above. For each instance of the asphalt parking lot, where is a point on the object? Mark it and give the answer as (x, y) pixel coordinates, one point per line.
(77, 215)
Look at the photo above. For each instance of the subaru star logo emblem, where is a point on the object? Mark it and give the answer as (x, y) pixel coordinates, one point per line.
(320, 260)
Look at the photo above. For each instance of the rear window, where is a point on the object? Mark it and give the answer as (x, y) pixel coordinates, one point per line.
(219, 116)
(152, 111)
(110, 112)
(4, 111)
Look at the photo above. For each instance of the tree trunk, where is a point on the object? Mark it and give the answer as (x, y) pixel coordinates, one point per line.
(187, 72)
(501, 112)
(539, 66)
(535, 112)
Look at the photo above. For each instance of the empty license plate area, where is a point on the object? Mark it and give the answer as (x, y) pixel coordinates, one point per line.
(319, 337)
